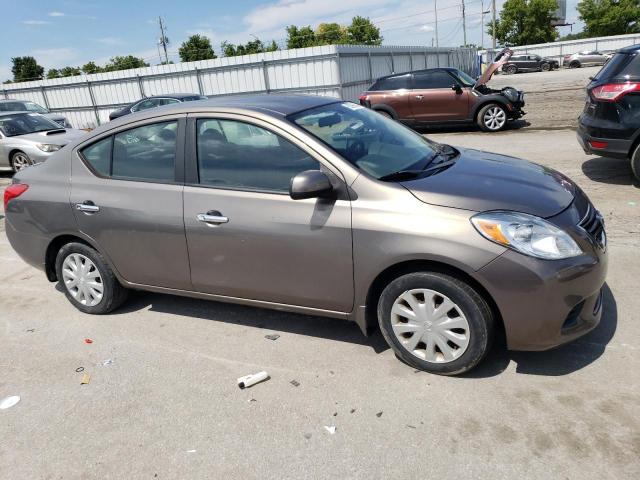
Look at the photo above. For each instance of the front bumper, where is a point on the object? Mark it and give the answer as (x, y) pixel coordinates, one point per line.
(545, 303)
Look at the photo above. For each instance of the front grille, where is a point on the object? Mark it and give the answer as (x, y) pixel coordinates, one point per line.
(593, 224)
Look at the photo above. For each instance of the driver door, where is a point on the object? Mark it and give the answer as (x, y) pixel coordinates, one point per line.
(433, 98)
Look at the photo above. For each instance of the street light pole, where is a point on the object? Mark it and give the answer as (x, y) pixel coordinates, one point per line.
(493, 22)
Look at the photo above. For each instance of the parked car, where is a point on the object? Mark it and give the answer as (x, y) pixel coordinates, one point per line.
(157, 101)
(27, 138)
(318, 206)
(588, 58)
(28, 106)
(529, 63)
(609, 126)
(445, 95)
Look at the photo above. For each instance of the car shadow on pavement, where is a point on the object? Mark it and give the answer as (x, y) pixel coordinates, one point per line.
(615, 171)
(560, 361)
(462, 128)
(265, 319)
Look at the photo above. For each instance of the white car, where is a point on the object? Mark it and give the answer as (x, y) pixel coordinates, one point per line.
(27, 138)
(28, 106)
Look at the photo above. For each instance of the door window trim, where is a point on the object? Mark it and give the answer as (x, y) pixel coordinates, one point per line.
(413, 79)
(191, 168)
(179, 162)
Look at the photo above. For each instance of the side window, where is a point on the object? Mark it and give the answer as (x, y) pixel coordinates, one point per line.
(146, 153)
(437, 79)
(393, 83)
(12, 107)
(99, 156)
(168, 101)
(237, 155)
(145, 104)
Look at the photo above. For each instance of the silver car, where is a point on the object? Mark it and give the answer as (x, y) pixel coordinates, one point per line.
(27, 138)
(28, 106)
(587, 58)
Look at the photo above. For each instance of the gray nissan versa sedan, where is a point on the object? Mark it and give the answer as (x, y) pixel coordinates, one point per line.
(314, 205)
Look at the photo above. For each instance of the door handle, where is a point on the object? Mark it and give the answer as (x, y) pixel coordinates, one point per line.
(419, 97)
(87, 207)
(212, 217)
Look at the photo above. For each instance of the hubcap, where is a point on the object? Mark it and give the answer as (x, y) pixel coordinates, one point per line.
(430, 326)
(82, 279)
(20, 161)
(494, 118)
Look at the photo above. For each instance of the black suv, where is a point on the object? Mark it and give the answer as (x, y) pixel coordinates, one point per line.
(530, 63)
(610, 123)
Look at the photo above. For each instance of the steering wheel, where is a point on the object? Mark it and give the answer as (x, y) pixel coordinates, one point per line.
(356, 150)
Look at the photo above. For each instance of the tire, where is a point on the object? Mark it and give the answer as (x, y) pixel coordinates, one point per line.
(574, 64)
(511, 69)
(20, 161)
(492, 117)
(545, 67)
(635, 163)
(470, 318)
(113, 294)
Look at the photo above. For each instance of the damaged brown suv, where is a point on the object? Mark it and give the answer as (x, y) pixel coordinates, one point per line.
(446, 95)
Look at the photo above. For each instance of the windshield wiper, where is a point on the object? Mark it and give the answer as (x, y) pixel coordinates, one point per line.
(401, 175)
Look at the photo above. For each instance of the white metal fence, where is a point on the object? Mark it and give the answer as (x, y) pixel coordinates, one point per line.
(559, 49)
(341, 71)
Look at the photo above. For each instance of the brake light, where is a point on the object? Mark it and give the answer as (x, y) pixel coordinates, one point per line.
(13, 191)
(598, 144)
(612, 92)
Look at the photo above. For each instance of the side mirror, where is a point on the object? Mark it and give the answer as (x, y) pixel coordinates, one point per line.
(456, 88)
(310, 184)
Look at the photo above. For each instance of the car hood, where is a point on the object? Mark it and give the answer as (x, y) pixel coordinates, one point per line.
(481, 181)
(502, 58)
(55, 137)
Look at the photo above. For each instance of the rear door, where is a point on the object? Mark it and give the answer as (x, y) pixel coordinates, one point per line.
(126, 192)
(394, 92)
(261, 244)
(433, 98)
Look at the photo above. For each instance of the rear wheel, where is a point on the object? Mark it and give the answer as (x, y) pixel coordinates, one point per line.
(635, 163)
(511, 69)
(492, 118)
(20, 161)
(88, 281)
(435, 322)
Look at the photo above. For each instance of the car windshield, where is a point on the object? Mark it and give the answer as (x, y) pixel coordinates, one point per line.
(466, 80)
(24, 123)
(34, 107)
(373, 143)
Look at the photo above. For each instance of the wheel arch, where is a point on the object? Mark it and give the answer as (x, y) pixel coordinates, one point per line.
(411, 266)
(385, 108)
(486, 101)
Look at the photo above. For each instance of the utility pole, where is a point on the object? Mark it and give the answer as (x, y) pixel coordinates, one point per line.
(464, 23)
(435, 10)
(493, 24)
(484, 12)
(164, 41)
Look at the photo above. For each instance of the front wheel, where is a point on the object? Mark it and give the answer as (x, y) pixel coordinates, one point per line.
(635, 163)
(20, 161)
(545, 67)
(88, 281)
(511, 69)
(435, 322)
(574, 65)
(492, 118)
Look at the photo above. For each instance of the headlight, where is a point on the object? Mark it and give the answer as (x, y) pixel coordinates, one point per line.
(526, 234)
(48, 147)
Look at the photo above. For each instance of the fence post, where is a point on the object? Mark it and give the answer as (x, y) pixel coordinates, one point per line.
(199, 81)
(393, 63)
(410, 60)
(44, 97)
(140, 86)
(6, 95)
(370, 68)
(93, 102)
(265, 74)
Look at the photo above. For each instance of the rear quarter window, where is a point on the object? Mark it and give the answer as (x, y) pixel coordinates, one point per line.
(622, 65)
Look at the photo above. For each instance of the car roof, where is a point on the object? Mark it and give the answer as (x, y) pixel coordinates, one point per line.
(9, 100)
(630, 49)
(3, 114)
(425, 70)
(177, 96)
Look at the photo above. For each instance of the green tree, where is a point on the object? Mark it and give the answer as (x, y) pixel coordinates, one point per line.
(272, 47)
(196, 47)
(609, 17)
(254, 46)
(525, 22)
(363, 32)
(91, 67)
(26, 68)
(53, 73)
(70, 71)
(124, 63)
(300, 37)
(330, 34)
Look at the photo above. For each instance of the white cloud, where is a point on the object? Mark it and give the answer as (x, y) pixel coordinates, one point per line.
(111, 41)
(35, 22)
(56, 14)
(427, 28)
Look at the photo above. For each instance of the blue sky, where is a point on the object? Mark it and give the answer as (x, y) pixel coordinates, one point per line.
(71, 32)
